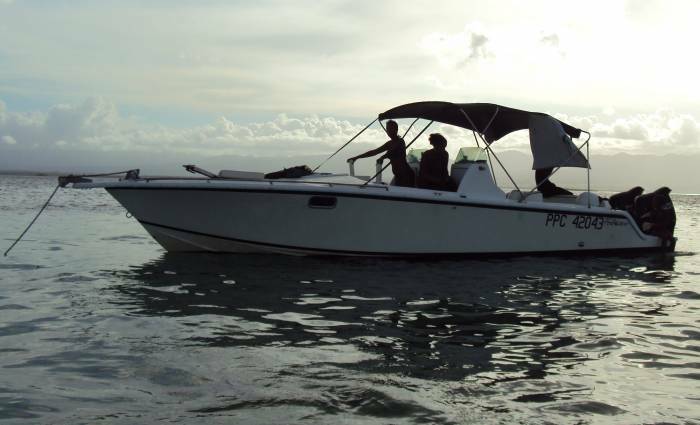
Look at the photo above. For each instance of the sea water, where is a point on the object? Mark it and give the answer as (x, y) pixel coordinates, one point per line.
(99, 325)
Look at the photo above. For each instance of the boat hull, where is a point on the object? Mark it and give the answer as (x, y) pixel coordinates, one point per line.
(328, 221)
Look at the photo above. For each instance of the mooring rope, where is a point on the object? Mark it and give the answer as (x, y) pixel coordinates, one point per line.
(62, 181)
(37, 216)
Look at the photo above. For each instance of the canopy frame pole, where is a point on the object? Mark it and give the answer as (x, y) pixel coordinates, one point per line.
(409, 127)
(407, 146)
(493, 175)
(488, 147)
(478, 145)
(488, 155)
(566, 162)
(493, 117)
(347, 143)
(588, 170)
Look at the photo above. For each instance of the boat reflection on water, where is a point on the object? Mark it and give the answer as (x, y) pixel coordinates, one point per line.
(487, 321)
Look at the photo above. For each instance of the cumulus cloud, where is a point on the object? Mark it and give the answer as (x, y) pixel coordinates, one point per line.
(96, 125)
(60, 123)
(477, 46)
(550, 40)
(685, 131)
(96, 128)
(457, 50)
(520, 47)
(624, 128)
(660, 132)
(215, 57)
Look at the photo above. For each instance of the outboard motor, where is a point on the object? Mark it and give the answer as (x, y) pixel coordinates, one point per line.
(625, 200)
(655, 214)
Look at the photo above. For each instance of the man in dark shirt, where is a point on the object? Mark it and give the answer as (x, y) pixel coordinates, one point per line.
(395, 150)
(433, 166)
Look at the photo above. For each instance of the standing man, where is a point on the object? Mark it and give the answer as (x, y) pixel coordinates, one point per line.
(395, 150)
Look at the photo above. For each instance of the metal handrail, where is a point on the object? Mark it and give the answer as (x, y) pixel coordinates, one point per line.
(270, 182)
(329, 184)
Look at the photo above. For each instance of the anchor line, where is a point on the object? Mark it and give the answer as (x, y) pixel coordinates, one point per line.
(62, 181)
(46, 204)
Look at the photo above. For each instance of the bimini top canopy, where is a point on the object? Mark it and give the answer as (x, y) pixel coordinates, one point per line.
(505, 121)
(550, 139)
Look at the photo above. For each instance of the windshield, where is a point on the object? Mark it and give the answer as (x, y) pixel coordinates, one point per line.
(414, 155)
(470, 154)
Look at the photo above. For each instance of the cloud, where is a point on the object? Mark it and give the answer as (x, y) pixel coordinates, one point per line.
(628, 129)
(478, 46)
(520, 46)
(219, 57)
(551, 40)
(550, 49)
(685, 131)
(95, 125)
(644, 10)
(459, 49)
(661, 132)
(95, 128)
(94, 116)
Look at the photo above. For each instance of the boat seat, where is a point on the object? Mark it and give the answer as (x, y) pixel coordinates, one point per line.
(596, 200)
(413, 159)
(561, 199)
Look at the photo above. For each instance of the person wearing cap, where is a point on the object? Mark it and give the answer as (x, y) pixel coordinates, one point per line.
(433, 172)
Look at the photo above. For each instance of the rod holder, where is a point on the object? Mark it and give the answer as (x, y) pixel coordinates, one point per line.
(379, 169)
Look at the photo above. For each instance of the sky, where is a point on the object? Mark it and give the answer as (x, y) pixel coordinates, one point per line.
(88, 82)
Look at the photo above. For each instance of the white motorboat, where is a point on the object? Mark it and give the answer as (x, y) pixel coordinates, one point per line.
(342, 214)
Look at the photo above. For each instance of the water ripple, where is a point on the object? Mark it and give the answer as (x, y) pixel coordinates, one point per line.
(110, 329)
